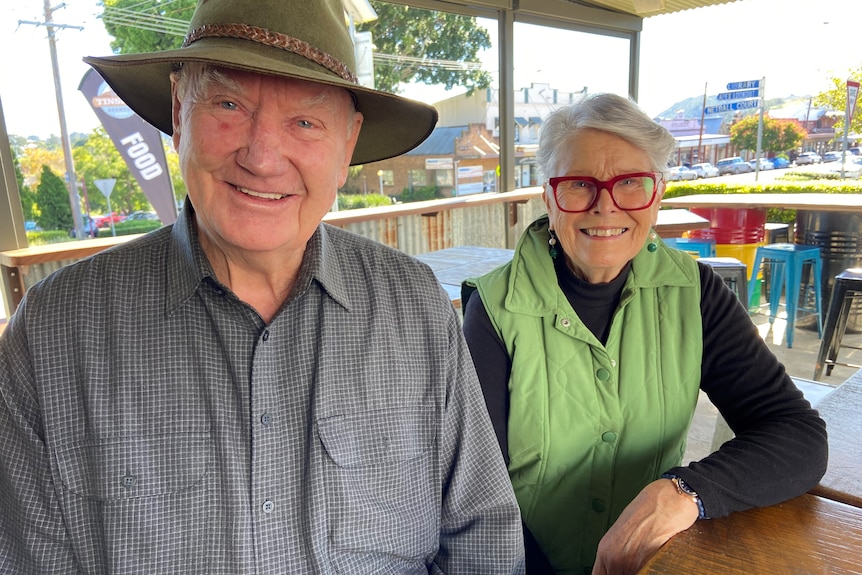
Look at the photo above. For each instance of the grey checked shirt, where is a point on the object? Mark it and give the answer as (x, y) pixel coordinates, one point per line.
(152, 423)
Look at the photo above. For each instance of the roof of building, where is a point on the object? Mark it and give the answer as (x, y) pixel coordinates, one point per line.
(801, 112)
(441, 142)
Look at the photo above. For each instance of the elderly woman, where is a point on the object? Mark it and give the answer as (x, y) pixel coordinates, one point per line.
(592, 344)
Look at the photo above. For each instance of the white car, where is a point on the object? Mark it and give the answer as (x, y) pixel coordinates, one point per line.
(764, 164)
(705, 170)
(680, 173)
(852, 167)
(807, 158)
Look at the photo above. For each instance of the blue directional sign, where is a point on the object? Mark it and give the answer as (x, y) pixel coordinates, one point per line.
(721, 108)
(747, 85)
(739, 95)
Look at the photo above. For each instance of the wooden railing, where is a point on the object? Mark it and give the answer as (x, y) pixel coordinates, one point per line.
(485, 220)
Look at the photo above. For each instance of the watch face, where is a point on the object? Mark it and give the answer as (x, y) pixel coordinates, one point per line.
(684, 486)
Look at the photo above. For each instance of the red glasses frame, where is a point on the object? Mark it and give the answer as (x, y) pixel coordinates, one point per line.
(606, 185)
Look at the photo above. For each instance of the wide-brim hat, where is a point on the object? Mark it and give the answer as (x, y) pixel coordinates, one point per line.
(304, 39)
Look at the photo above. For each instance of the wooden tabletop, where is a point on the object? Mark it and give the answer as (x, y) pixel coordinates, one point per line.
(451, 266)
(813, 201)
(673, 223)
(808, 534)
(842, 411)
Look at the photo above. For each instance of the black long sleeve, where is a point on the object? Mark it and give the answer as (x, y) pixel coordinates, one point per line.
(780, 448)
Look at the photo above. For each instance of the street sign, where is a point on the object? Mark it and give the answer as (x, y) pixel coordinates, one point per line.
(741, 94)
(106, 186)
(852, 94)
(747, 85)
(721, 108)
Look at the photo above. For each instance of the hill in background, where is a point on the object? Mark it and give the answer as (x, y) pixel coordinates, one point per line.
(693, 107)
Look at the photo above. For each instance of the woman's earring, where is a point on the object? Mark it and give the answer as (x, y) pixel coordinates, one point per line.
(552, 245)
(652, 246)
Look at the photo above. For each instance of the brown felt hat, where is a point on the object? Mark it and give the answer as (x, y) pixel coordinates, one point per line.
(304, 39)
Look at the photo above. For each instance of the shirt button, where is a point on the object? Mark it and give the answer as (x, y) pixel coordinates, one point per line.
(266, 419)
(268, 506)
(265, 335)
(129, 481)
(609, 436)
(613, 363)
(598, 505)
(565, 322)
(603, 374)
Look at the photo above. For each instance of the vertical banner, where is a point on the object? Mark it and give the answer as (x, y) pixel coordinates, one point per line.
(852, 94)
(138, 142)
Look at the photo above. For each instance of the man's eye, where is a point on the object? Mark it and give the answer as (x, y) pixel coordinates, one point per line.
(304, 124)
(228, 105)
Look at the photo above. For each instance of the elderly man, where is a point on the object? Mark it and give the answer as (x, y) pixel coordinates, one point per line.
(249, 390)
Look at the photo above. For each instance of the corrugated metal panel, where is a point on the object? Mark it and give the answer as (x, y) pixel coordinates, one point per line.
(649, 8)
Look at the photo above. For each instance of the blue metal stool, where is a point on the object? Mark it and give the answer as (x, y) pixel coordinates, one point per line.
(733, 272)
(705, 248)
(847, 289)
(787, 261)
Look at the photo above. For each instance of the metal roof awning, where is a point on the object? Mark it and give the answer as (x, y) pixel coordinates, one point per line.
(535, 120)
(648, 8)
(521, 121)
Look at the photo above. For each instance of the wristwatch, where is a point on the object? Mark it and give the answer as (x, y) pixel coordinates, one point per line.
(684, 488)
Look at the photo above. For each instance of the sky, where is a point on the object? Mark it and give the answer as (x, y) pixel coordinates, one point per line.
(796, 45)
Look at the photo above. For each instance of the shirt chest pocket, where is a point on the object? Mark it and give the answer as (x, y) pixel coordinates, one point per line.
(129, 468)
(383, 487)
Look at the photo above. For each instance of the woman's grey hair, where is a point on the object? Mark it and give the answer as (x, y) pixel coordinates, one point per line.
(609, 113)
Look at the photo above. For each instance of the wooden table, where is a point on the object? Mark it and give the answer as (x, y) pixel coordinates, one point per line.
(454, 265)
(842, 411)
(808, 534)
(674, 222)
(813, 201)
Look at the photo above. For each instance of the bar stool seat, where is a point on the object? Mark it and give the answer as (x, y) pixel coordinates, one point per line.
(787, 261)
(847, 288)
(733, 272)
(704, 247)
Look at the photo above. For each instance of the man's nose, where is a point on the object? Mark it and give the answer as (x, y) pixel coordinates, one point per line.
(263, 153)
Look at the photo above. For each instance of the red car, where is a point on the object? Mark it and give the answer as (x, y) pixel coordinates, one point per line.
(105, 221)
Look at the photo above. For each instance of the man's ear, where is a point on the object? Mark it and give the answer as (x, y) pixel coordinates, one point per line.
(175, 114)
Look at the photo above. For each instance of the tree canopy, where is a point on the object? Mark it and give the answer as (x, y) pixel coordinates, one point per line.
(778, 135)
(53, 197)
(422, 45)
(835, 98)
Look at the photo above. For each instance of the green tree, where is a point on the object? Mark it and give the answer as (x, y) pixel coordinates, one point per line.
(28, 197)
(418, 35)
(399, 31)
(778, 135)
(53, 198)
(98, 159)
(835, 98)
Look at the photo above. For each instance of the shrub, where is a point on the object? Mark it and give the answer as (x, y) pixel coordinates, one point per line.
(131, 228)
(354, 201)
(419, 194)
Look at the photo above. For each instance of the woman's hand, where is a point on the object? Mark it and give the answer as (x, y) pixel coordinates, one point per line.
(658, 513)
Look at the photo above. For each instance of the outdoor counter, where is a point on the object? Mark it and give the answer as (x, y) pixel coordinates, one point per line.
(808, 534)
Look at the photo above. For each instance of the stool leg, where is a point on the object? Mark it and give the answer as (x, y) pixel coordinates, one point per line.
(827, 347)
(779, 278)
(757, 258)
(791, 298)
(840, 328)
(818, 299)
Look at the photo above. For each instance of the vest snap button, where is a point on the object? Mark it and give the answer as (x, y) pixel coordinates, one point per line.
(603, 374)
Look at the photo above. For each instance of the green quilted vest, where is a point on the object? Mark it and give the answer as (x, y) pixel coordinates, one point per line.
(591, 425)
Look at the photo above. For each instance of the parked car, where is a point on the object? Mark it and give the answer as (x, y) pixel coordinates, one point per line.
(852, 167)
(855, 150)
(139, 215)
(764, 164)
(808, 158)
(733, 165)
(105, 221)
(779, 162)
(677, 173)
(31, 226)
(705, 170)
(91, 230)
(833, 156)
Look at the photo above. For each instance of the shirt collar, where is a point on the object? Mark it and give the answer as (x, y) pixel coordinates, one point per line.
(187, 265)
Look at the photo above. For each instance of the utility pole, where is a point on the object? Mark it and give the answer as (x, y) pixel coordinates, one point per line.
(702, 117)
(71, 178)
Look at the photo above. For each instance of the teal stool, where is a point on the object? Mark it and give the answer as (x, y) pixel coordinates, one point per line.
(787, 261)
(705, 248)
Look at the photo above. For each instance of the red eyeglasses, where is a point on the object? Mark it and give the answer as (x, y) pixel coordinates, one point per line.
(629, 192)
